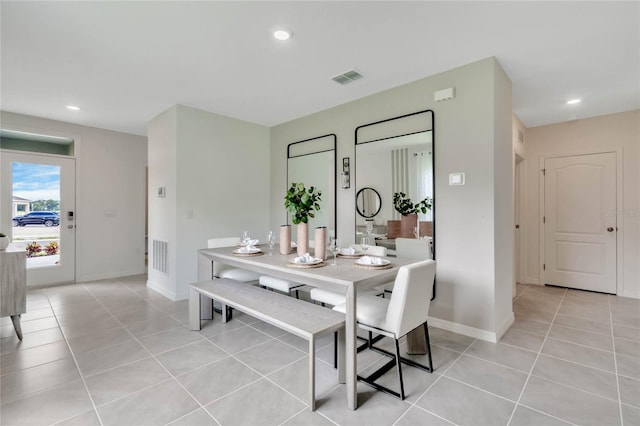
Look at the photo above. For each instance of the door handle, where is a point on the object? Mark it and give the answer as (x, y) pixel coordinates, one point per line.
(610, 229)
(70, 226)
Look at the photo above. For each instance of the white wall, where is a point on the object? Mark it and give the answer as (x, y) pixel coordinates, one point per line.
(216, 173)
(162, 134)
(472, 133)
(609, 133)
(110, 169)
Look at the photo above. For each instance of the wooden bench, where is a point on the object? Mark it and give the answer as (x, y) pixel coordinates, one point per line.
(298, 317)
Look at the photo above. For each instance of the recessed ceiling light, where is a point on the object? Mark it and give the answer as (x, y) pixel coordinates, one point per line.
(574, 101)
(73, 108)
(282, 34)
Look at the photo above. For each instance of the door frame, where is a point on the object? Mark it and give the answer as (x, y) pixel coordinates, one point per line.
(11, 123)
(619, 205)
(67, 163)
(520, 216)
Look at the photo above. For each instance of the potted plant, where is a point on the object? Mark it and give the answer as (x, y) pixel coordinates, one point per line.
(409, 211)
(301, 203)
(4, 241)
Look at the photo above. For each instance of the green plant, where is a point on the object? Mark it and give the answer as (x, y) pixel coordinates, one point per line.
(52, 248)
(33, 248)
(301, 202)
(405, 206)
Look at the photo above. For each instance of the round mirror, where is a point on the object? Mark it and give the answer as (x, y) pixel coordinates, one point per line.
(368, 202)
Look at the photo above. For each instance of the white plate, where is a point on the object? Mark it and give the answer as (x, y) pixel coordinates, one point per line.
(364, 263)
(344, 252)
(243, 251)
(315, 261)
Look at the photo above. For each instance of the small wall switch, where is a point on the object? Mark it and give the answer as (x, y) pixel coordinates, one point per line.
(444, 94)
(456, 179)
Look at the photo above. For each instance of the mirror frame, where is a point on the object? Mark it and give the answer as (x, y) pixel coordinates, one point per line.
(433, 150)
(379, 203)
(335, 168)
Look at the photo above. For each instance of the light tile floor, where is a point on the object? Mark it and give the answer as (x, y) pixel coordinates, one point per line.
(116, 353)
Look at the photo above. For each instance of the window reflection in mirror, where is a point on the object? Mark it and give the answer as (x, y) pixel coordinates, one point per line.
(396, 155)
(313, 162)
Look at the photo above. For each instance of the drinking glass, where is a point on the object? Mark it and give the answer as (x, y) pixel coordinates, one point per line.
(369, 227)
(364, 243)
(271, 240)
(335, 249)
(245, 238)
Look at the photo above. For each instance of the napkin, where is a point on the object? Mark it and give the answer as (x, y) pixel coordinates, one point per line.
(305, 258)
(250, 247)
(370, 260)
(349, 250)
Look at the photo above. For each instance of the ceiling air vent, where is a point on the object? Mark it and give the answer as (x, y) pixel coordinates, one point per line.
(347, 77)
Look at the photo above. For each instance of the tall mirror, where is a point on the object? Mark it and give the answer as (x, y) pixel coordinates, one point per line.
(395, 156)
(313, 162)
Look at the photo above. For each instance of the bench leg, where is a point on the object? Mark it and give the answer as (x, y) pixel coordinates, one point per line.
(342, 360)
(226, 313)
(206, 308)
(194, 309)
(312, 374)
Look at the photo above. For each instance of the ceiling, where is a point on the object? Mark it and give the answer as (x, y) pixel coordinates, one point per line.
(123, 63)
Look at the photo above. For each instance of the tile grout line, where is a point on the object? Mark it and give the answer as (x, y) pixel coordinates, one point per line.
(414, 404)
(535, 361)
(171, 376)
(229, 354)
(240, 361)
(75, 361)
(615, 363)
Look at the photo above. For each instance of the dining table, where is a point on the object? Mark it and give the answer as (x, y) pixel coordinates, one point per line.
(346, 277)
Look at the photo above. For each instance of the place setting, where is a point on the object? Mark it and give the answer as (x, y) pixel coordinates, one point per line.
(306, 261)
(372, 262)
(350, 253)
(248, 246)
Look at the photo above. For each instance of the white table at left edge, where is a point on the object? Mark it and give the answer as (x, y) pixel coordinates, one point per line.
(343, 278)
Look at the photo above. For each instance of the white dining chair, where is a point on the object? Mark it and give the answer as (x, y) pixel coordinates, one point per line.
(221, 270)
(406, 310)
(280, 284)
(409, 248)
(328, 297)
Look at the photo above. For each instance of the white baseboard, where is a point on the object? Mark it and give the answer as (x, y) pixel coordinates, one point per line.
(531, 280)
(505, 325)
(463, 329)
(162, 290)
(97, 277)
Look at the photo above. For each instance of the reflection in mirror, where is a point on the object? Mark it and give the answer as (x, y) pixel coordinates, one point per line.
(396, 155)
(368, 202)
(313, 162)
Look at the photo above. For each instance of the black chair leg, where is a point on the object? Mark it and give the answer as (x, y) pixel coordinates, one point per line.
(399, 365)
(426, 335)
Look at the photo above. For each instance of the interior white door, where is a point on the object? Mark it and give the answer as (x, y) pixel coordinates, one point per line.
(580, 222)
(47, 183)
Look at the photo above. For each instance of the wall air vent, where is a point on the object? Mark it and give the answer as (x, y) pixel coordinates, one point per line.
(347, 77)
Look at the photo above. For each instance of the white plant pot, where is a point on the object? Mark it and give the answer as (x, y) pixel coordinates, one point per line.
(4, 243)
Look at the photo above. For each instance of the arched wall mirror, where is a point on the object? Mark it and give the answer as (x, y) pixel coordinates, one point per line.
(313, 162)
(396, 155)
(368, 203)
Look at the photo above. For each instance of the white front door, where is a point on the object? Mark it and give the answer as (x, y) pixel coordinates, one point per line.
(38, 209)
(580, 222)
